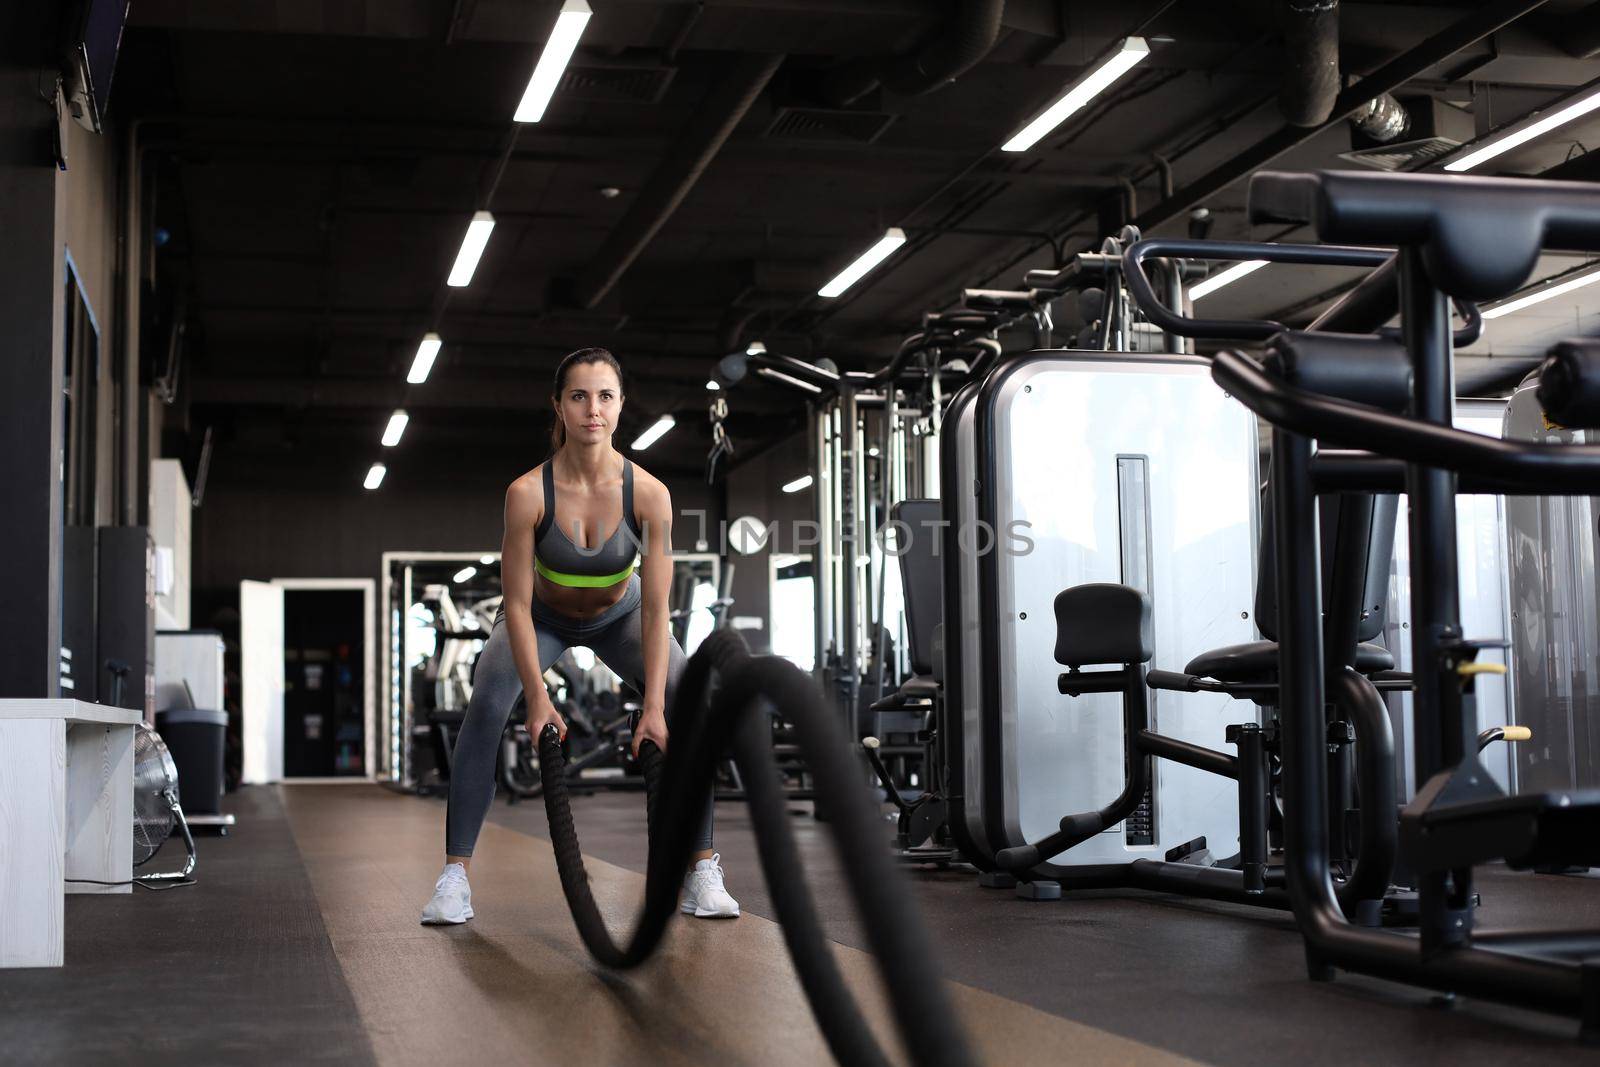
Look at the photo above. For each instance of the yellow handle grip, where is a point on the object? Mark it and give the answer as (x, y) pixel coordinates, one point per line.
(1518, 733)
(1480, 668)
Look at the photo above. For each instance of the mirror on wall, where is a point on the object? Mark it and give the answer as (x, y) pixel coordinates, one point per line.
(80, 671)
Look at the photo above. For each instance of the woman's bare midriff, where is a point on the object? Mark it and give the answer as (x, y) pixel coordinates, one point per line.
(576, 603)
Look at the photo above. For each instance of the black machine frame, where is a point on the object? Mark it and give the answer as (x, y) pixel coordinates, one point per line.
(1459, 818)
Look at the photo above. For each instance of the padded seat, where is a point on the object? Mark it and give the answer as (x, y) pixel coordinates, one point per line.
(1257, 661)
(915, 689)
(906, 710)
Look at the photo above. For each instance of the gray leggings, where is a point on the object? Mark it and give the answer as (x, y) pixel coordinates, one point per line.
(613, 636)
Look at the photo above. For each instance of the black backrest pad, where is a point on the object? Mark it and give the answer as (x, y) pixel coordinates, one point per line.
(1377, 547)
(1367, 370)
(1569, 384)
(1103, 623)
(920, 576)
(1480, 237)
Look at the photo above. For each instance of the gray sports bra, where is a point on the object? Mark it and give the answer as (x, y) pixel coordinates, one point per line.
(564, 563)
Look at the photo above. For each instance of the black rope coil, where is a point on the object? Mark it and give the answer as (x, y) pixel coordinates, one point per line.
(721, 705)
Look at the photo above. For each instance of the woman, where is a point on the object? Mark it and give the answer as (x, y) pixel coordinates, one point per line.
(567, 583)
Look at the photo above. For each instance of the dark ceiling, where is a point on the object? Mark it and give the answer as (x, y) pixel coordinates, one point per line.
(311, 168)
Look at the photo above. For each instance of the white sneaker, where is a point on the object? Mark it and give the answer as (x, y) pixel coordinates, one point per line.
(703, 894)
(452, 898)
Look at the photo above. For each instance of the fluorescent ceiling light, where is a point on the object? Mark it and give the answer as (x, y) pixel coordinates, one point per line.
(1587, 100)
(1549, 292)
(654, 433)
(1127, 55)
(396, 429)
(485, 560)
(463, 574)
(892, 239)
(427, 351)
(472, 245)
(375, 476)
(711, 385)
(553, 60)
(1227, 277)
(798, 484)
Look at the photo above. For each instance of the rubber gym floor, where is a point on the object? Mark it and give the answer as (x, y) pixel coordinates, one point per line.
(300, 944)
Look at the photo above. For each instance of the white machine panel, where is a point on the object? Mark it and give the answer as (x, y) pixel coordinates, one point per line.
(1129, 470)
(192, 657)
(962, 635)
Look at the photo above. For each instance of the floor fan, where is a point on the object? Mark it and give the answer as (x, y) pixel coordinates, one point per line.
(156, 810)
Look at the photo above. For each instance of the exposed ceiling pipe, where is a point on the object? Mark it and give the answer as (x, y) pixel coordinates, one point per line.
(1402, 68)
(1310, 61)
(961, 43)
(666, 188)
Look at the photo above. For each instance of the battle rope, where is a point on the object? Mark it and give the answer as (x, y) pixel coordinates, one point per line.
(722, 702)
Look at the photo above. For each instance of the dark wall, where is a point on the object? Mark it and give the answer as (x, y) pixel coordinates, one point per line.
(30, 383)
(259, 535)
(46, 213)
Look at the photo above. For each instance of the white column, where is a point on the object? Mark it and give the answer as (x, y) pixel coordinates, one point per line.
(33, 786)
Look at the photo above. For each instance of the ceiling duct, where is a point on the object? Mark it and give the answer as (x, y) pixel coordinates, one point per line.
(615, 84)
(1381, 119)
(1310, 61)
(1432, 130)
(1461, 34)
(818, 125)
(965, 38)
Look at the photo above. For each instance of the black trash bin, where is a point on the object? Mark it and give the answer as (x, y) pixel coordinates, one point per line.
(196, 737)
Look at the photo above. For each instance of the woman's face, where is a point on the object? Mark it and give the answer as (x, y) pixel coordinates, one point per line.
(591, 403)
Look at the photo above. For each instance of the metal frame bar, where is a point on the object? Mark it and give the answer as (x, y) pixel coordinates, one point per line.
(1540, 983)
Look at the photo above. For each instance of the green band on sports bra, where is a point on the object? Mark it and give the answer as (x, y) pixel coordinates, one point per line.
(583, 581)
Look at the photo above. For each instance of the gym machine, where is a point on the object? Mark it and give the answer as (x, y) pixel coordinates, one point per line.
(1469, 239)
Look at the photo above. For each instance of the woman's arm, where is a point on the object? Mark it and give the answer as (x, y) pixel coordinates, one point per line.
(653, 505)
(524, 510)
